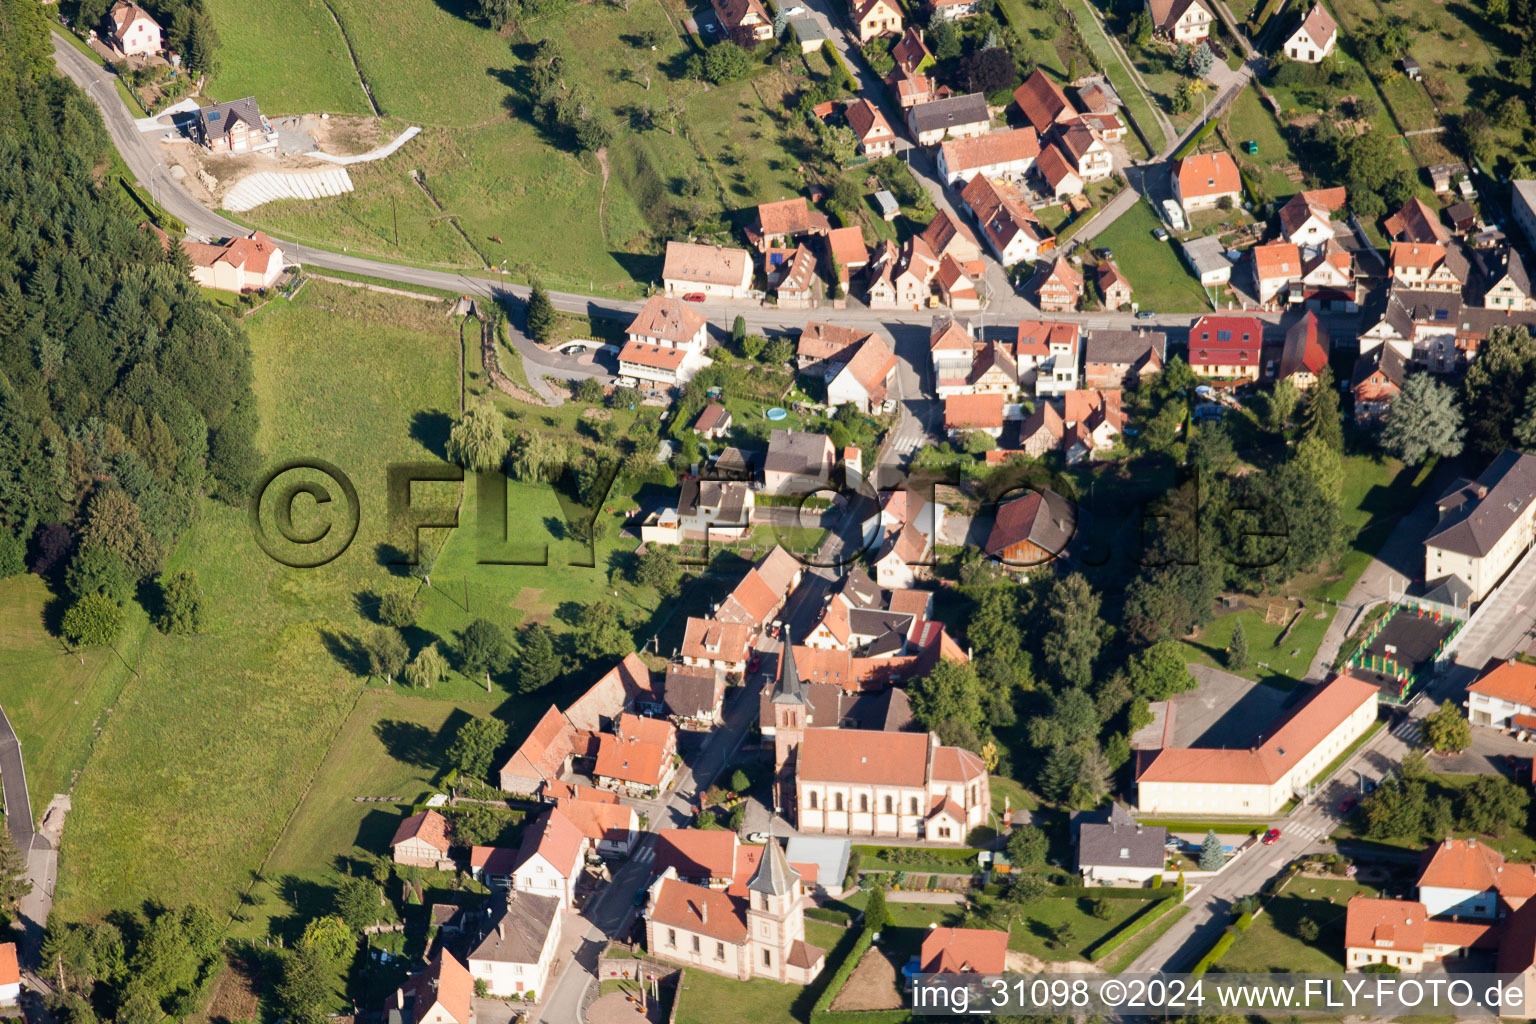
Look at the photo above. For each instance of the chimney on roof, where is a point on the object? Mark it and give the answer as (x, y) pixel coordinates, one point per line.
(703, 913)
(501, 929)
(1481, 490)
(400, 998)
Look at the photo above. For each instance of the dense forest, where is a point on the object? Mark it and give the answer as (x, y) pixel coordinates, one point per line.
(124, 396)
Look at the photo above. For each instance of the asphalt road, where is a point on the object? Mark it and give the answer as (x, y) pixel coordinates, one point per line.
(13, 776)
(142, 157)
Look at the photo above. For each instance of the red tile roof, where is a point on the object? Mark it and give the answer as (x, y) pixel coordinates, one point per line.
(1513, 681)
(546, 748)
(1385, 924)
(847, 246)
(990, 149)
(1208, 174)
(555, 838)
(657, 731)
(708, 639)
(1225, 341)
(10, 972)
(641, 764)
(828, 341)
(1268, 763)
(1476, 867)
(494, 860)
(428, 826)
(657, 357)
(696, 853)
(600, 820)
(692, 263)
(1041, 101)
(956, 764)
(446, 982)
(1306, 347)
(952, 950)
(974, 412)
(667, 318)
(790, 217)
(871, 366)
(694, 908)
(861, 756)
(867, 122)
(1277, 260)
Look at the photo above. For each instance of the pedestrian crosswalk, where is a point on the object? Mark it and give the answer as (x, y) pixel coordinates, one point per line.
(1311, 830)
(645, 854)
(1408, 732)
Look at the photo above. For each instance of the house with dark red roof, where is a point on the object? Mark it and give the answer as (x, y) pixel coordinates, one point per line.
(1226, 347)
(1306, 351)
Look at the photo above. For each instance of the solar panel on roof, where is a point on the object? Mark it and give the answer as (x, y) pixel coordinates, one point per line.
(214, 116)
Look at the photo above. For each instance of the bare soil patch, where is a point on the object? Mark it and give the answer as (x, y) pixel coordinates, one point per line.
(871, 986)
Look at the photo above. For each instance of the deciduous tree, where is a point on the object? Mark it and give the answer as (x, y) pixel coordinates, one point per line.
(475, 745)
(93, 621)
(1446, 730)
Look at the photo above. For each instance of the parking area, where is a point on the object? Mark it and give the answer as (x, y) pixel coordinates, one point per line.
(1225, 711)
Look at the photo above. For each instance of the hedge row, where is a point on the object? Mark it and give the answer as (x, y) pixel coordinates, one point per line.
(1194, 140)
(840, 72)
(1068, 892)
(1217, 951)
(840, 976)
(860, 1016)
(1138, 922)
(920, 854)
(829, 915)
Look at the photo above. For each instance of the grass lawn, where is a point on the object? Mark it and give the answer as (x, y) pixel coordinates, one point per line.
(1378, 491)
(707, 998)
(55, 699)
(212, 745)
(1053, 929)
(1284, 666)
(1159, 279)
(496, 173)
(1006, 791)
(1135, 103)
(292, 58)
(1123, 957)
(1271, 943)
(392, 745)
(1249, 119)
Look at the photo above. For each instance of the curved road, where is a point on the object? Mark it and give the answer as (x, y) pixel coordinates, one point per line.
(142, 156)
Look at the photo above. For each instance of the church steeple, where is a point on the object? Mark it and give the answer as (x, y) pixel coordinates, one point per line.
(788, 689)
(774, 876)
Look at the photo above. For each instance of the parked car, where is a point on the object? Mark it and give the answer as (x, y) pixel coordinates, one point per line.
(754, 663)
(1160, 234)
(758, 837)
(694, 297)
(1104, 254)
(1145, 314)
(1346, 806)
(1270, 837)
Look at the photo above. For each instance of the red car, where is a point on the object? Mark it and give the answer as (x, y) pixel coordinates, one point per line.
(1345, 806)
(1270, 837)
(754, 663)
(694, 297)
